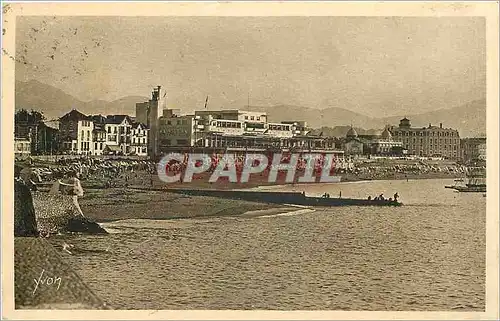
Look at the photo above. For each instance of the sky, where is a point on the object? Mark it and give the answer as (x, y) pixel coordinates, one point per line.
(377, 66)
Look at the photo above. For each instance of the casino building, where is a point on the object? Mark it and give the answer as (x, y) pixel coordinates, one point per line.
(236, 130)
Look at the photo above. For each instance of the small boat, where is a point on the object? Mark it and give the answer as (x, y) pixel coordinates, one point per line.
(459, 180)
(474, 182)
(327, 202)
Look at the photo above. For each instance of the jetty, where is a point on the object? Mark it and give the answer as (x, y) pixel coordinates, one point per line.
(294, 198)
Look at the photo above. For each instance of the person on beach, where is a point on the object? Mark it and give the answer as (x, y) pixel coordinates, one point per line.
(30, 178)
(73, 188)
(396, 196)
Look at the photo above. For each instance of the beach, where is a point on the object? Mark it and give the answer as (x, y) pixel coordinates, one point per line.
(141, 214)
(168, 251)
(426, 255)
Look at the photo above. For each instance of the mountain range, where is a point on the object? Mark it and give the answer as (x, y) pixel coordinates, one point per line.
(469, 119)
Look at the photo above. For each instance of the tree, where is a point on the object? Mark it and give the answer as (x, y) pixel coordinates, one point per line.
(30, 124)
(32, 118)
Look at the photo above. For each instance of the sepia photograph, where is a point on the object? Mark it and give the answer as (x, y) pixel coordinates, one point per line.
(219, 158)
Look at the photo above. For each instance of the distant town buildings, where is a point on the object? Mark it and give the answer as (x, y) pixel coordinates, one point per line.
(149, 113)
(353, 145)
(156, 130)
(427, 141)
(101, 135)
(235, 130)
(473, 150)
(381, 145)
(29, 126)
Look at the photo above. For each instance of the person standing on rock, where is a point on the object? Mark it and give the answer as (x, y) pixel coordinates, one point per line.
(73, 188)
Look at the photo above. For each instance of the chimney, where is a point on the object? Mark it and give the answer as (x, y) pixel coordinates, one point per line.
(440, 125)
(429, 125)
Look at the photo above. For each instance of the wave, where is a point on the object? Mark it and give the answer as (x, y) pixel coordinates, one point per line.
(292, 213)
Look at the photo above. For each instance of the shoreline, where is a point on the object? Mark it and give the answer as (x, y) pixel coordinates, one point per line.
(143, 202)
(201, 181)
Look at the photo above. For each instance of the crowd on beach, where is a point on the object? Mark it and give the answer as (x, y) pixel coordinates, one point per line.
(339, 166)
(90, 169)
(108, 171)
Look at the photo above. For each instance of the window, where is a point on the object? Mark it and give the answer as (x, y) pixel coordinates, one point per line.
(100, 146)
(252, 117)
(109, 130)
(258, 118)
(246, 117)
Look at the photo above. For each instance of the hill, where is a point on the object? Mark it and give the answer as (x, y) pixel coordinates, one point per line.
(54, 102)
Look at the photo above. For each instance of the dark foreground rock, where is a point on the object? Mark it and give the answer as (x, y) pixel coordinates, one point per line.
(57, 285)
(81, 224)
(24, 212)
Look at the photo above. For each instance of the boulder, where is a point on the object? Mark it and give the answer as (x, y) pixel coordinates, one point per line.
(56, 213)
(80, 224)
(24, 212)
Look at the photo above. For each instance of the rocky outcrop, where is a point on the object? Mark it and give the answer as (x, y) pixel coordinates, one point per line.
(79, 224)
(24, 212)
(56, 213)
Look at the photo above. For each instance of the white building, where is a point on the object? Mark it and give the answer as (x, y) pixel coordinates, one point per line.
(76, 133)
(98, 135)
(233, 129)
(139, 139)
(119, 130)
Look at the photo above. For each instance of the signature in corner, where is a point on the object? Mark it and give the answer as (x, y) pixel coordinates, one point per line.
(47, 280)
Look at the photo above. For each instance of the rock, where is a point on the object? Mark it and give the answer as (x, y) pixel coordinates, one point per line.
(79, 224)
(24, 212)
(53, 212)
(56, 213)
(37, 259)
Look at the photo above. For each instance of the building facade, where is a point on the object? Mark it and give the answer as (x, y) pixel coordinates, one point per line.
(75, 131)
(431, 141)
(473, 150)
(139, 139)
(22, 147)
(235, 130)
(99, 135)
(386, 145)
(353, 145)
